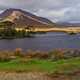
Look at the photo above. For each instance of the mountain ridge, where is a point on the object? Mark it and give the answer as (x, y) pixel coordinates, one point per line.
(22, 18)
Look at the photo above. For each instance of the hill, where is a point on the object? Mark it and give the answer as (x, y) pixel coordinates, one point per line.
(22, 18)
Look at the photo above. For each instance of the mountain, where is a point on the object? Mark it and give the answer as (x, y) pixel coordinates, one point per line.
(68, 24)
(23, 18)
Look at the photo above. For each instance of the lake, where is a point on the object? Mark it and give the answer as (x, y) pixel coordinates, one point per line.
(44, 42)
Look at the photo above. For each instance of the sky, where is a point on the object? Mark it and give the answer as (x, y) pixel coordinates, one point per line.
(55, 10)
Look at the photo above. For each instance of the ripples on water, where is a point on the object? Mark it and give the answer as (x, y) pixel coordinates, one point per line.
(47, 41)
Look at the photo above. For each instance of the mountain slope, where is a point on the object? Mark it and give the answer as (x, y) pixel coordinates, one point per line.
(23, 18)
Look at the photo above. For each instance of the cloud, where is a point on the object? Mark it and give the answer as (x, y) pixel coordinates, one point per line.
(72, 14)
(56, 10)
(54, 15)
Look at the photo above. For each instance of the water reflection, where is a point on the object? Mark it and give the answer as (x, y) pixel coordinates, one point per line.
(47, 41)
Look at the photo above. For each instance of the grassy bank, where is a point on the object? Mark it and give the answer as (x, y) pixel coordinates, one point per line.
(56, 61)
(36, 69)
(37, 65)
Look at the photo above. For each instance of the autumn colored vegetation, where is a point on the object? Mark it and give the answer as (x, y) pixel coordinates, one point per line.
(56, 54)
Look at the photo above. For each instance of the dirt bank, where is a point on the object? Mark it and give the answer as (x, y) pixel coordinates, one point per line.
(23, 76)
(37, 76)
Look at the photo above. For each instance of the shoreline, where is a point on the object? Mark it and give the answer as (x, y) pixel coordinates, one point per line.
(52, 29)
(55, 29)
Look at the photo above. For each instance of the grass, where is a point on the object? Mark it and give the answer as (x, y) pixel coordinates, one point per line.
(65, 66)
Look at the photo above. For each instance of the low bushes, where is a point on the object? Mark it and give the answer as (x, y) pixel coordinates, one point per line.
(64, 53)
(56, 54)
(37, 54)
(18, 52)
(5, 56)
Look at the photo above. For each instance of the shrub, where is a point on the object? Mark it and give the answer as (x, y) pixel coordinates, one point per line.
(18, 52)
(30, 54)
(37, 54)
(5, 56)
(57, 54)
(42, 55)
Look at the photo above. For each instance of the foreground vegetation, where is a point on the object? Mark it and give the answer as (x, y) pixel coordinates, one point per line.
(37, 65)
(51, 62)
(59, 64)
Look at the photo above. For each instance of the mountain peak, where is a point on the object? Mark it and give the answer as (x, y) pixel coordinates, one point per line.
(21, 17)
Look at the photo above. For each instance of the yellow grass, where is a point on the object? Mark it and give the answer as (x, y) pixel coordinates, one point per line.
(68, 29)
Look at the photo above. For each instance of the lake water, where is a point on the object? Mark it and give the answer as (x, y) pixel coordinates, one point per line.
(43, 42)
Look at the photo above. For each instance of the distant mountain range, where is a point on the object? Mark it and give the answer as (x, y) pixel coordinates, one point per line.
(23, 18)
(68, 24)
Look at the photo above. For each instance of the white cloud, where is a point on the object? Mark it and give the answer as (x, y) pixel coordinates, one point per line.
(1, 11)
(54, 15)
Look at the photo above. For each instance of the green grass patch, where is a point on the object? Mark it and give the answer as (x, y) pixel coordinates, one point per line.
(65, 66)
